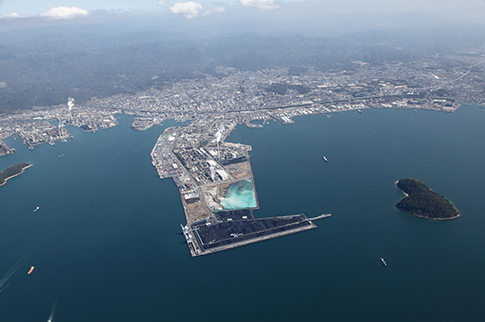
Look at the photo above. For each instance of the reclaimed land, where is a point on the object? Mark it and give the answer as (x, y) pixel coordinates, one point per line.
(11, 172)
(239, 228)
(422, 202)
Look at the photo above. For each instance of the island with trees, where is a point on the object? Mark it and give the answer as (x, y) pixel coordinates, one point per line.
(12, 172)
(422, 202)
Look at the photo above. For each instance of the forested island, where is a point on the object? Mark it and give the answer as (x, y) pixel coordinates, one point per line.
(12, 172)
(422, 202)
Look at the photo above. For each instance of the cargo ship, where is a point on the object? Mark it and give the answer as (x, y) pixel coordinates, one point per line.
(383, 261)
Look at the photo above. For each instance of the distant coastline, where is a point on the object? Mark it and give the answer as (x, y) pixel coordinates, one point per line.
(12, 171)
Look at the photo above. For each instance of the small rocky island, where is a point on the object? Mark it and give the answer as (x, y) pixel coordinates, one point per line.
(12, 172)
(420, 201)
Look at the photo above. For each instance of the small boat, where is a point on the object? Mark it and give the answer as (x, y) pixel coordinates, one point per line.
(383, 261)
(325, 159)
(359, 111)
(30, 270)
(36, 209)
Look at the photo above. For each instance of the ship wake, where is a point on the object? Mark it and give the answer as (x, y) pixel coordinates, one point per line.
(53, 310)
(26, 256)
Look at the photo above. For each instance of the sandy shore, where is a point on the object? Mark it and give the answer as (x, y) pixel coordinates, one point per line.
(395, 183)
(434, 219)
(6, 179)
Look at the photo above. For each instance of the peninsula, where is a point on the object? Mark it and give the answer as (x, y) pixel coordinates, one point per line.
(420, 201)
(217, 189)
(12, 171)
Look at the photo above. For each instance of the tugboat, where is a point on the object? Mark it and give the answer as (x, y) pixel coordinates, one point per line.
(325, 159)
(383, 261)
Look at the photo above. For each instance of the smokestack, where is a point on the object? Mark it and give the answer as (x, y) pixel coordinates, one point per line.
(218, 139)
(70, 105)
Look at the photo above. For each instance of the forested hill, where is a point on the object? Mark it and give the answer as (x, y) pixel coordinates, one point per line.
(45, 68)
(423, 202)
(12, 171)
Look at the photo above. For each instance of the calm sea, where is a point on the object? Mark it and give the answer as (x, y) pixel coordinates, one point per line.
(106, 241)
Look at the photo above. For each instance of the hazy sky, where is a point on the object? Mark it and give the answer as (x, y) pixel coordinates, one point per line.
(192, 9)
(309, 17)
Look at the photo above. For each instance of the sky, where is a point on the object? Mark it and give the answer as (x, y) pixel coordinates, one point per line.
(320, 17)
(192, 9)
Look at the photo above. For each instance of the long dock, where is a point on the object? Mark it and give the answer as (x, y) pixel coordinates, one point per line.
(206, 238)
(320, 217)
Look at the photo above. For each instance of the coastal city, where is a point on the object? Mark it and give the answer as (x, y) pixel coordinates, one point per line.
(240, 97)
(206, 169)
(243, 160)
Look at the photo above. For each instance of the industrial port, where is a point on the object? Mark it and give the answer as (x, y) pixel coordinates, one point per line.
(204, 168)
(238, 228)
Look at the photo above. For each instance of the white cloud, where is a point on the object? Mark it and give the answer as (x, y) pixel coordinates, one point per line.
(64, 13)
(214, 11)
(189, 9)
(260, 4)
(163, 3)
(14, 15)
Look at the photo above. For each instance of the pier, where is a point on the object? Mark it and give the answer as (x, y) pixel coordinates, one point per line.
(320, 217)
(5, 149)
(240, 228)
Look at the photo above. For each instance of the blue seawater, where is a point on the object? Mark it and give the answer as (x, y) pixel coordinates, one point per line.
(239, 195)
(106, 242)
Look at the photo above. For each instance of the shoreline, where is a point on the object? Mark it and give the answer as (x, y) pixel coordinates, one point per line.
(434, 219)
(405, 194)
(22, 171)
